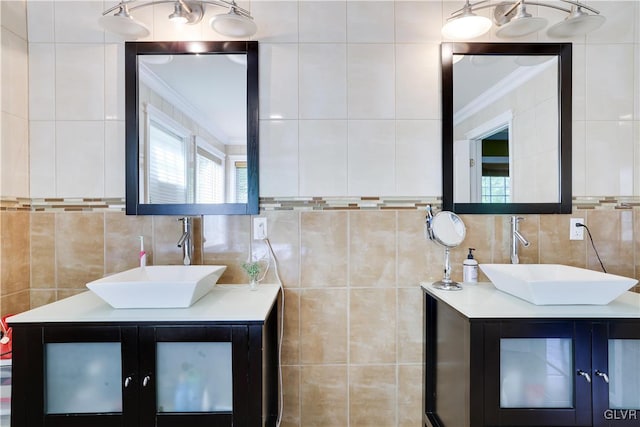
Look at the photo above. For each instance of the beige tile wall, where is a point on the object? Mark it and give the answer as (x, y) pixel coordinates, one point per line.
(352, 346)
(14, 261)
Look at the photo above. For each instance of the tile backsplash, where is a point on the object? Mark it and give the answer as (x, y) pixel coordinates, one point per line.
(353, 307)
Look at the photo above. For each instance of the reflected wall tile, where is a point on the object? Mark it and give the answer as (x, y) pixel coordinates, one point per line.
(40, 297)
(14, 303)
(291, 396)
(14, 253)
(43, 250)
(284, 235)
(372, 248)
(291, 342)
(323, 21)
(418, 258)
(323, 326)
(323, 251)
(409, 395)
(410, 337)
(323, 396)
(555, 246)
(372, 339)
(122, 246)
(612, 232)
(372, 395)
(79, 249)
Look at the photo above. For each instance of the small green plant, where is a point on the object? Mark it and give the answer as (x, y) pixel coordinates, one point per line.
(252, 269)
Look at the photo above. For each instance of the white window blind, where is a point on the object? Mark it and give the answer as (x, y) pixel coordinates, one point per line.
(241, 182)
(209, 178)
(167, 165)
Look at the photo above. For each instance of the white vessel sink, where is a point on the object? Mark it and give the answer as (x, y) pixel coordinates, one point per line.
(549, 284)
(157, 286)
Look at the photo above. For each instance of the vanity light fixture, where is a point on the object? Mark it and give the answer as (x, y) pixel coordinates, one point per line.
(237, 23)
(512, 20)
(464, 24)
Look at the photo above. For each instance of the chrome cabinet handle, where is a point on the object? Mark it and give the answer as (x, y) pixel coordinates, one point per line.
(584, 374)
(602, 375)
(127, 381)
(145, 380)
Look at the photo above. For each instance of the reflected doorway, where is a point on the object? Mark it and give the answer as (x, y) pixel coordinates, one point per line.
(491, 180)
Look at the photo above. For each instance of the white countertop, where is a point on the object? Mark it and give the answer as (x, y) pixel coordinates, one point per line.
(484, 301)
(225, 303)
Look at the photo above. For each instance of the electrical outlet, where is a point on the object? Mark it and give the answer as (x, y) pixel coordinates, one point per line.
(259, 228)
(575, 232)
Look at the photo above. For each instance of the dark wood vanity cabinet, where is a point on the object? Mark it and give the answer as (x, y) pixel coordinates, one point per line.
(527, 371)
(146, 374)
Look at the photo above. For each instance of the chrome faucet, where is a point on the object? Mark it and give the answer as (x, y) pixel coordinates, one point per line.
(186, 241)
(515, 237)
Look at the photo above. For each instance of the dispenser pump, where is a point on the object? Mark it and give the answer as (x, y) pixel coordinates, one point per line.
(470, 255)
(470, 268)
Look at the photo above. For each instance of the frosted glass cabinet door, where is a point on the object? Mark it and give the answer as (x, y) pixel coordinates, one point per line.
(624, 374)
(83, 378)
(194, 377)
(536, 373)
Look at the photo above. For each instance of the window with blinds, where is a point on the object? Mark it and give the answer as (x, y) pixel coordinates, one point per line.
(241, 181)
(167, 165)
(209, 177)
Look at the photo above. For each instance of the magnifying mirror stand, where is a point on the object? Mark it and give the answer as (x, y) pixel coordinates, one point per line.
(446, 283)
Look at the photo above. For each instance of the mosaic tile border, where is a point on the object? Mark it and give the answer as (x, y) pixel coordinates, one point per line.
(55, 204)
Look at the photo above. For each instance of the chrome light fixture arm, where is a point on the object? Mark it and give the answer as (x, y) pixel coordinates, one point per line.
(220, 3)
(507, 13)
(185, 4)
(237, 22)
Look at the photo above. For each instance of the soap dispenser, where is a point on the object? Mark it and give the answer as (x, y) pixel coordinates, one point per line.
(470, 268)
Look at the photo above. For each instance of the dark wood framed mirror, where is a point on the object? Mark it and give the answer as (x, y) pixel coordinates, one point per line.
(191, 128)
(506, 128)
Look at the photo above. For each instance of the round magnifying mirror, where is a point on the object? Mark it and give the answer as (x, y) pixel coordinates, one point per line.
(448, 230)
